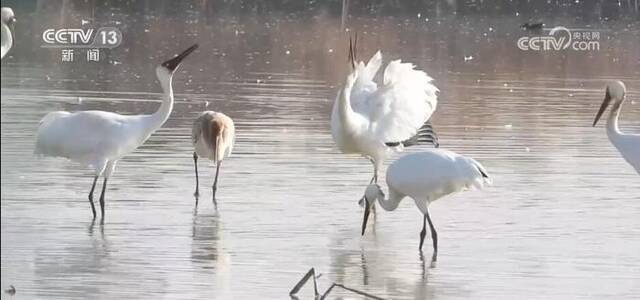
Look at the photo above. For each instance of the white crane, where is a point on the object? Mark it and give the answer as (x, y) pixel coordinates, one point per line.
(376, 121)
(426, 177)
(213, 135)
(627, 144)
(99, 139)
(8, 19)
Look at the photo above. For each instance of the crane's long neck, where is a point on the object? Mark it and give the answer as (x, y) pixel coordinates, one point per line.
(345, 111)
(162, 114)
(612, 122)
(391, 203)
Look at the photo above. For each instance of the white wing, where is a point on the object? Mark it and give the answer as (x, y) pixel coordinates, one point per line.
(400, 106)
(364, 85)
(435, 173)
(629, 147)
(82, 136)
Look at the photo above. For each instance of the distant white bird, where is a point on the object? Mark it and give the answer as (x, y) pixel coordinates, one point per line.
(98, 138)
(213, 135)
(8, 19)
(426, 177)
(627, 144)
(376, 121)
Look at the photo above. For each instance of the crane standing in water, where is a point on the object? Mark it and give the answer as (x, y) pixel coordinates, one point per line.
(426, 177)
(376, 121)
(213, 135)
(99, 138)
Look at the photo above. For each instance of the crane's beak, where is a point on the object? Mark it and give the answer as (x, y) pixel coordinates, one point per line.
(352, 51)
(603, 107)
(367, 210)
(173, 63)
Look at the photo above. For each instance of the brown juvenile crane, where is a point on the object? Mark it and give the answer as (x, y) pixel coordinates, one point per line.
(213, 135)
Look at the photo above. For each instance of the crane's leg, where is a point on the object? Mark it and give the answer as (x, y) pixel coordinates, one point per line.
(434, 236)
(108, 170)
(374, 179)
(104, 187)
(215, 183)
(361, 202)
(423, 233)
(93, 187)
(195, 163)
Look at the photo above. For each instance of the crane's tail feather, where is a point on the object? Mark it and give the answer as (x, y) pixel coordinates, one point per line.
(208, 128)
(426, 135)
(484, 175)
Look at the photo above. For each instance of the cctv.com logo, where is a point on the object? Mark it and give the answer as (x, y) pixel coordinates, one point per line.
(562, 38)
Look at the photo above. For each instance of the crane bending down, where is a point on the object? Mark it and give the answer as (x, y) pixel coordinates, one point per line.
(213, 135)
(98, 138)
(8, 19)
(376, 121)
(426, 177)
(627, 144)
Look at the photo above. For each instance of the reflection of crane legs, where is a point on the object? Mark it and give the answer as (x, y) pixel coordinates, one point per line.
(312, 273)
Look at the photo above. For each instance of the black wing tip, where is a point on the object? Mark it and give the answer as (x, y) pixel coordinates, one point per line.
(426, 135)
(416, 140)
(484, 174)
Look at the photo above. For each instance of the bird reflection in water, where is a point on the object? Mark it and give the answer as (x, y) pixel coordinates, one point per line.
(205, 232)
(208, 253)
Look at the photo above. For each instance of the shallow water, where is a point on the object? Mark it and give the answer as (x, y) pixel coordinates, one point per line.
(561, 220)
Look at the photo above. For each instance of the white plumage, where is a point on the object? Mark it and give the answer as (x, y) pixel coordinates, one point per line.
(8, 18)
(213, 135)
(376, 121)
(627, 144)
(93, 138)
(426, 177)
(98, 139)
